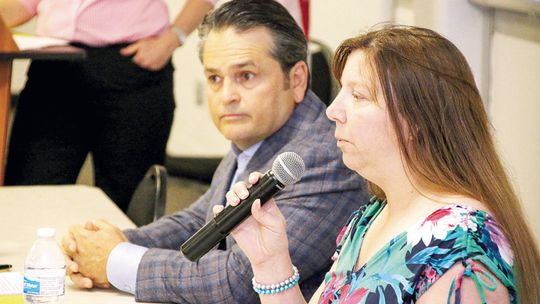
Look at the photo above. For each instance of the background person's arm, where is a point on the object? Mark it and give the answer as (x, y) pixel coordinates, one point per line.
(153, 53)
(14, 12)
(192, 14)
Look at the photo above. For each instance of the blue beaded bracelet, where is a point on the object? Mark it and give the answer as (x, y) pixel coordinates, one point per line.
(278, 287)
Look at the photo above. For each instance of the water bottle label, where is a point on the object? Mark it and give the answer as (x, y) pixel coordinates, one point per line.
(31, 287)
(44, 282)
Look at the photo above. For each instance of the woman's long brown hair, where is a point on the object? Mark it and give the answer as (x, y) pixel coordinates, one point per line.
(444, 132)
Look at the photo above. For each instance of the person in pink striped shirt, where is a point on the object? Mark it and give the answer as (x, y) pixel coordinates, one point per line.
(145, 23)
(117, 104)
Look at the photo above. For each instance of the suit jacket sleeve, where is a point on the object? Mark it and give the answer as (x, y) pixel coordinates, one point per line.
(171, 231)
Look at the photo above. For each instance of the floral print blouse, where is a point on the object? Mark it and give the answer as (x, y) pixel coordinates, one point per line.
(411, 262)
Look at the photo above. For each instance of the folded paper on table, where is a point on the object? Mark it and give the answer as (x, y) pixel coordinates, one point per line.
(29, 42)
(11, 288)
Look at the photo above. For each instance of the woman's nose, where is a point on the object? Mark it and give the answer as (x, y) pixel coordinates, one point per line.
(335, 111)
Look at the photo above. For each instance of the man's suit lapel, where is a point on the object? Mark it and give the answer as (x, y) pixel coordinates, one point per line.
(261, 162)
(223, 176)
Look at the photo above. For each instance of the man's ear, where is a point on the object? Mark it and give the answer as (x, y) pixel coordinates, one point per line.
(298, 80)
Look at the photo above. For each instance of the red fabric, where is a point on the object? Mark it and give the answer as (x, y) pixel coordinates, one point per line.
(304, 7)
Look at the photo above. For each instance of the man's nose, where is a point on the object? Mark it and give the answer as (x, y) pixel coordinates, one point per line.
(229, 91)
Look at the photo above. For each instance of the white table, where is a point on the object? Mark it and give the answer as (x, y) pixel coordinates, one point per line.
(23, 209)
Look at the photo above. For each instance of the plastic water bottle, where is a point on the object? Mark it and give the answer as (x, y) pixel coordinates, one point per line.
(44, 270)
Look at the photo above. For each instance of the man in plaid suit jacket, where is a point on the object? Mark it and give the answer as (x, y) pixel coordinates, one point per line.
(254, 56)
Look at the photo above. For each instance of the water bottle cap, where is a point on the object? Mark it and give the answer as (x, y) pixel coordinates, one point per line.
(46, 232)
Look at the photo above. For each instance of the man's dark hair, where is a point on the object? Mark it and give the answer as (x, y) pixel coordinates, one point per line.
(290, 44)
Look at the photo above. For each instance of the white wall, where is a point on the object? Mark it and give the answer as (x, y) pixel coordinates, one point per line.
(191, 107)
(334, 21)
(515, 104)
(466, 25)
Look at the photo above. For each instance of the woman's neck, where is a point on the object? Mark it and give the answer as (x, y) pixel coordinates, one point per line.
(404, 197)
(401, 199)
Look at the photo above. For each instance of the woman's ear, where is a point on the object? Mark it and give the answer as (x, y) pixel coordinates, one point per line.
(298, 80)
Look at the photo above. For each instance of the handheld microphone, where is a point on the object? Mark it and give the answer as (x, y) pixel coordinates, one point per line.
(287, 169)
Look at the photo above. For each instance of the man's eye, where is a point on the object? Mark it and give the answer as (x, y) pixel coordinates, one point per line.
(213, 79)
(247, 76)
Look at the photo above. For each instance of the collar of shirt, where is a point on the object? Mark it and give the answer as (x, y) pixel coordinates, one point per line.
(243, 158)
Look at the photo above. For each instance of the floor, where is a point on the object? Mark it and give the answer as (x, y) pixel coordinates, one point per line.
(181, 192)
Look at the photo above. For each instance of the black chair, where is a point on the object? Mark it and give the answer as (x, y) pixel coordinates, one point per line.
(197, 168)
(323, 83)
(149, 199)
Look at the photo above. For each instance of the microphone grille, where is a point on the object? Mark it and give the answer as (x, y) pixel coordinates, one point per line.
(288, 168)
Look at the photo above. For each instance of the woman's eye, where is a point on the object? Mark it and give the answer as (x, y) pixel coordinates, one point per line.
(357, 97)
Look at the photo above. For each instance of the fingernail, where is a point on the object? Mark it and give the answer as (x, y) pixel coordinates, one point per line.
(244, 193)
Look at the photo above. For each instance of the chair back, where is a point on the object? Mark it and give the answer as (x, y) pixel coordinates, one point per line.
(322, 83)
(149, 199)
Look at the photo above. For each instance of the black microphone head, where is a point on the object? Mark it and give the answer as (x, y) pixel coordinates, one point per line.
(288, 168)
